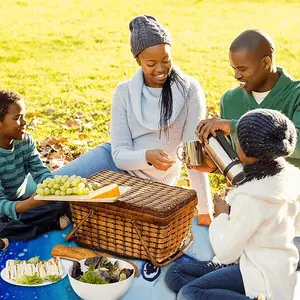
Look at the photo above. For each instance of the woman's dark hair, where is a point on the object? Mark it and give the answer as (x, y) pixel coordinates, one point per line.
(166, 99)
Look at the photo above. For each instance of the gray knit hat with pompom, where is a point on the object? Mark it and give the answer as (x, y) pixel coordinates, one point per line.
(146, 32)
(266, 133)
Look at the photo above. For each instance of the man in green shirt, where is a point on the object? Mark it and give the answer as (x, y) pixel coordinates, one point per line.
(262, 85)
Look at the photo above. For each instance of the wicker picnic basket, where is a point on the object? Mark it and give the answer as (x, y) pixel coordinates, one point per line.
(150, 221)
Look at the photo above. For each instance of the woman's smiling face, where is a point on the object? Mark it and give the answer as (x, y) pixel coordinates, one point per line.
(156, 63)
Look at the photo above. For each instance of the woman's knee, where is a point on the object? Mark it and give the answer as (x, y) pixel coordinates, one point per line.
(89, 163)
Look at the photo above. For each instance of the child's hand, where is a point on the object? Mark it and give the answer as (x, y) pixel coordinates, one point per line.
(220, 206)
(30, 203)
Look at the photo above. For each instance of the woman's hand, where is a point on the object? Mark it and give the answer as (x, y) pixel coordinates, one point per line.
(159, 159)
(220, 206)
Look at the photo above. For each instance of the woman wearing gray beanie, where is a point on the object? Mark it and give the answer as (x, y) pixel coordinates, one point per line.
(255, 257)
(152, 114)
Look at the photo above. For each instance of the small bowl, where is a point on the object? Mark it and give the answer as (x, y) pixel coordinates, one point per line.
(109, 291)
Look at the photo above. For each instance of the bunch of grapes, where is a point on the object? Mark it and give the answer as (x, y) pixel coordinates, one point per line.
(65, 186)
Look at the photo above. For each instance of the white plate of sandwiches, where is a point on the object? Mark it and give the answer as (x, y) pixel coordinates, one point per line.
(35, 272)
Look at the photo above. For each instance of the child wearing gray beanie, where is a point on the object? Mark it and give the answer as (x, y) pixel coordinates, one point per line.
(255, 256)
(267, 136)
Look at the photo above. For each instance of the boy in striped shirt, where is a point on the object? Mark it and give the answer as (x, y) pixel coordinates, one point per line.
(22, 217)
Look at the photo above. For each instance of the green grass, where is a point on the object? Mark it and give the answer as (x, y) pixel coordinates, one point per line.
(70, 54)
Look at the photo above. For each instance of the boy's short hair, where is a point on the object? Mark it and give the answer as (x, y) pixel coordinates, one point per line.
(7, 98)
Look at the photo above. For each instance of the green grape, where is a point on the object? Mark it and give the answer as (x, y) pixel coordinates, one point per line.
(86, 191)
(56, 186)
(47, 180)
(84, 181)
(95, 186)
(80, 192)
(57, 178)
(63, 188)
(69, 191)
(40, 186)
(64, 178)
(74, 190)
(74, 183)
(46, 191)
(62, 193)
(72, 177)
(40, 191)
(67, 184)
(50, 185)
(57, 193)
(52, 191)
(81, 185)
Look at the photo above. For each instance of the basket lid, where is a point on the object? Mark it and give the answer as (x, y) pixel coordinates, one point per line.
(146, 196)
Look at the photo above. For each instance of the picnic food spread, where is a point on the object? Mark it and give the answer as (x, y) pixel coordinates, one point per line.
(100, 271)
(65, 186)
(34, 271)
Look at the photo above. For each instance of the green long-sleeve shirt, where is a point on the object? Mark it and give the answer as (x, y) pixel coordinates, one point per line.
(284, 96)
(15, 165)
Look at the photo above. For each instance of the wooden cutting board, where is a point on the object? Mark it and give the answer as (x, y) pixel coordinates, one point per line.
(84, 198)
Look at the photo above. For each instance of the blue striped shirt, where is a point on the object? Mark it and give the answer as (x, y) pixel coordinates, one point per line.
(15, 165)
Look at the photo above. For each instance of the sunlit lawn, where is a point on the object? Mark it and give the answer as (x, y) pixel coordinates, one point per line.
(69, 55)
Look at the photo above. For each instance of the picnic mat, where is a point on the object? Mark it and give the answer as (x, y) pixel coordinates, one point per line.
(149, 285)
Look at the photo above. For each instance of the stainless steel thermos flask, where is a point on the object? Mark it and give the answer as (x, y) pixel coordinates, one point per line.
(226, 159)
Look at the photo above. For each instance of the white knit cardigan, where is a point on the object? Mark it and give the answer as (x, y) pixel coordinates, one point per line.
(132, 133)
(259, 233)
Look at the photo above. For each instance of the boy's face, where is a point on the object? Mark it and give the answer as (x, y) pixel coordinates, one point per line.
(14, 123)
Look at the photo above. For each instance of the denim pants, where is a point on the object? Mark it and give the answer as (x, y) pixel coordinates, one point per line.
(91, 162)
(206, 280)
(33, 222)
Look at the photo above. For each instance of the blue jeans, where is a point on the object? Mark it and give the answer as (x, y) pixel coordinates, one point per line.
(33, 222)
(94, 161)
(206, 280)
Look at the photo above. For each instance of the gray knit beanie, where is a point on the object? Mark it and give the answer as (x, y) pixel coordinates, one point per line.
(266, 133)
(146, 32)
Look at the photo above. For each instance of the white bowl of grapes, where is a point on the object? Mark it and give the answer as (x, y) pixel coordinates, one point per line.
(101, 278)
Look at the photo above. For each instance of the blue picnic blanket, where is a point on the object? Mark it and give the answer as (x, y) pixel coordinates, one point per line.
(149, 285)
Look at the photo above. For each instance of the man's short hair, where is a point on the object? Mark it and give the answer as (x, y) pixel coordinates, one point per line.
(253, 40)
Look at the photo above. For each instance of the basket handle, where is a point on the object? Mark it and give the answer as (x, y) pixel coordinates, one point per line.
(74, 230)
(150, 256)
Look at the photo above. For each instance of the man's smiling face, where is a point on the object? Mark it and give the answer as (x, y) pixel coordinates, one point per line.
(249, 70)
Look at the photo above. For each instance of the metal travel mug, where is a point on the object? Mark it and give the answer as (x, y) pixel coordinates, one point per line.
(193, 153)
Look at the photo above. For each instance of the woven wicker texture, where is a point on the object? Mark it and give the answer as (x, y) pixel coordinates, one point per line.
(147, 196)
(150, 213)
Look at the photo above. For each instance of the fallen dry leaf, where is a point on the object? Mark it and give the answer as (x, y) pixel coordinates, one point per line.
(50, 111)
(83, 136)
